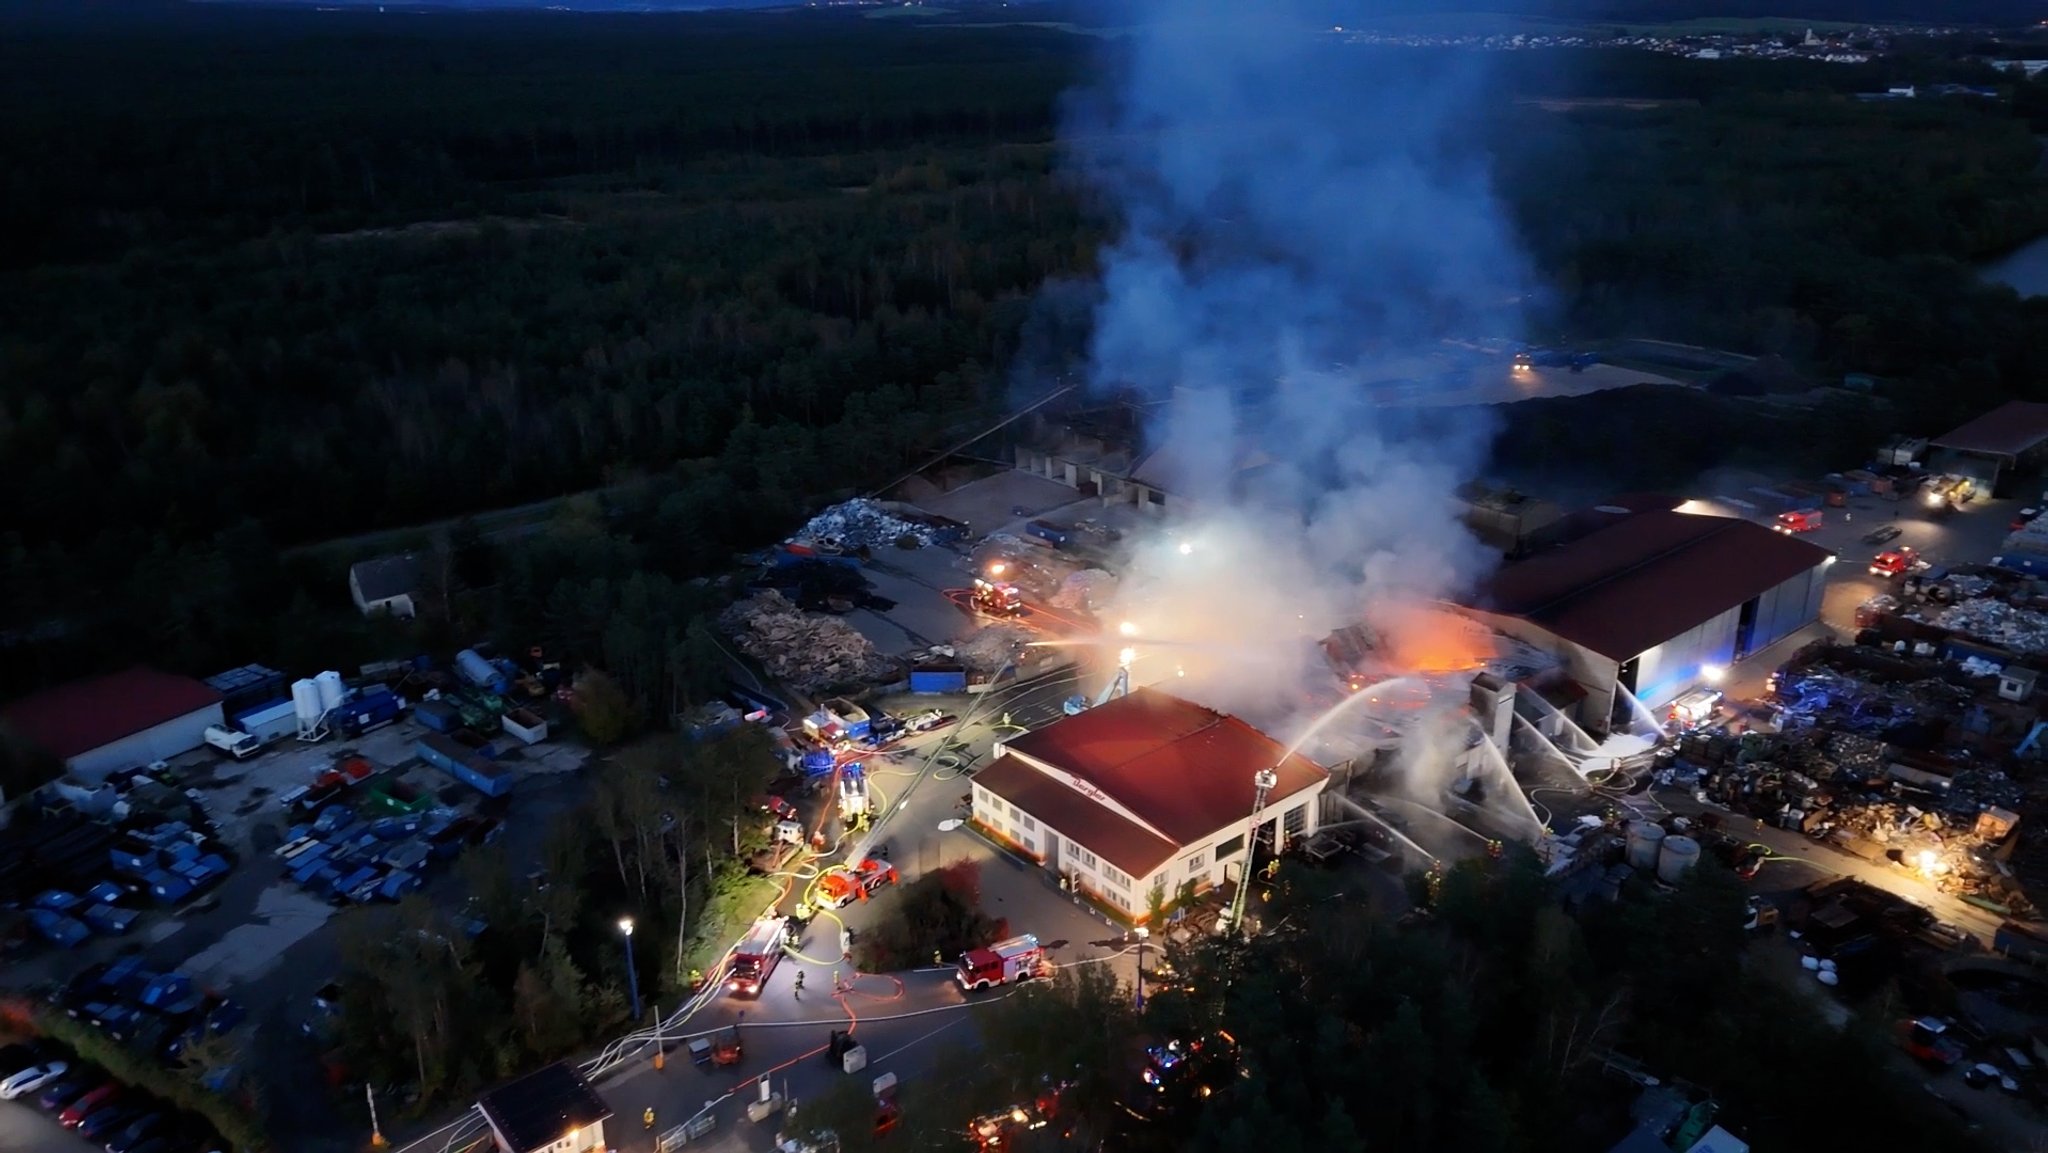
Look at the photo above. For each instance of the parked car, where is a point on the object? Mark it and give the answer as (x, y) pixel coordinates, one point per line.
(137, 1131)
(108, 1120)
(74, 1085)
(79, 1110)
(31, 1079)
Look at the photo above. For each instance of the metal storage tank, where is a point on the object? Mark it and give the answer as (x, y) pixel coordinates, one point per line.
(1679, 855)
(477, 669)
(332, 691)
(306, 700)
(1645, 838)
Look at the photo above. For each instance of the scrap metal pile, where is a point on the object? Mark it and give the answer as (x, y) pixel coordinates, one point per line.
(990, 648)
(1086, 590)
(1820, 697)
(808, 651)
(1865, 763)
(870, 524)
(2020, 630)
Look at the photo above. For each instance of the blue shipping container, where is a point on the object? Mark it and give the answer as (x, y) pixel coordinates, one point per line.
(2030, 563)
(938, 680)
(440, 716)
(1047, 531)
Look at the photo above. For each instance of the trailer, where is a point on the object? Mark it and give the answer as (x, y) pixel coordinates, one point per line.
(269, 722)
(464, 765)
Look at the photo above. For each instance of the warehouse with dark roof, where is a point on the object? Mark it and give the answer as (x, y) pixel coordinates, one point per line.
(1146, 790)
(1651, 604)
(2008, 442)
(118, 721)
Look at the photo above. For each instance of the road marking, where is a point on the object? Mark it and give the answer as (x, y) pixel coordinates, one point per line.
(919, 1040)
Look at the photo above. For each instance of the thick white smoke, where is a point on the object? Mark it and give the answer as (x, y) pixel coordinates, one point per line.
(1296, 214)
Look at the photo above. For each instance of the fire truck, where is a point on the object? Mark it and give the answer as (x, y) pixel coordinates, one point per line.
(853, 795)
(1893, 562)
(997, 598)
(844, 885)
(1802, 520)
(755, 958)
(1017, 959)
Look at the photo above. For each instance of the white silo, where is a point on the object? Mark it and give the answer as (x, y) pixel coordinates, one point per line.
(307, 709)
(332, 691)
(1645, 838)
(1678, 857)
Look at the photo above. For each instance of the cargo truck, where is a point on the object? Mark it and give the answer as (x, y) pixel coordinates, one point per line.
(232, 742)
(1003, 963)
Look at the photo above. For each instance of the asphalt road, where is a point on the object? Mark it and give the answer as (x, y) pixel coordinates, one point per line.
(24, 1127)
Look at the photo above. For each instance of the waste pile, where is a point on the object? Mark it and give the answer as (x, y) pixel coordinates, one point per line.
(1992, 620)
(808, 651)
(864, 523)
(1039, 572)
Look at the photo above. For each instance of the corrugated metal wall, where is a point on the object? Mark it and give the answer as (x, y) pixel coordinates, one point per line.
(1789, 607)
(161, 743)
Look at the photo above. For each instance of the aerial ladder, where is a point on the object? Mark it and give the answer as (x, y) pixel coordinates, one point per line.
(1262, 785)
(1118, 686)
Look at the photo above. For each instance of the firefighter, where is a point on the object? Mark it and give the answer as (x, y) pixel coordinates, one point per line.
(799, 984)
(696, 979)
(647, 1118)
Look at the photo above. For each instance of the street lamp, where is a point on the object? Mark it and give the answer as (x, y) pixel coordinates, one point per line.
(632, 978)
(1143, 933)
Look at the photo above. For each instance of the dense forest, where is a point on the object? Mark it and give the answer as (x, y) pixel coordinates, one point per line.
(277, 277)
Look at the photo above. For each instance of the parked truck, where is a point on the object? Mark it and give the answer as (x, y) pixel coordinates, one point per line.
(1005, 962)
(233, 742)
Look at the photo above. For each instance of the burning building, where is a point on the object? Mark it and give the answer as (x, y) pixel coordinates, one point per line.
(1146, 792)
(1657, 603)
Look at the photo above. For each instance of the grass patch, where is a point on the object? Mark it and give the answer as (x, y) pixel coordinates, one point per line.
(736, 901)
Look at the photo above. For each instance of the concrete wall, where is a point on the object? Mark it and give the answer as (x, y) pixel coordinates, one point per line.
(1590, 670)
(161, 743)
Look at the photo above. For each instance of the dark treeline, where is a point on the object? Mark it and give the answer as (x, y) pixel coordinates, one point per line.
(276, 277)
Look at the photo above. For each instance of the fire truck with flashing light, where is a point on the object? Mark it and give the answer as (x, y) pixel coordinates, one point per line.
(1893, 562)
(755, 957)
(846, 884)
(1005, 962)
(997, 598)
(1801, 520)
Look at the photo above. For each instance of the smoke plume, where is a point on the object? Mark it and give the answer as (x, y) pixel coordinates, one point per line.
(1303, 223)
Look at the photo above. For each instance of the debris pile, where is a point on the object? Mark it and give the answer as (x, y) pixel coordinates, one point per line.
(1821, 697)
(992, 647)
(807, 651)
(867, 524)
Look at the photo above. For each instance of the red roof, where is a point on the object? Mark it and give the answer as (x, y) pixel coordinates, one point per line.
(1634, 585)
(1176, 766)
(83, 715)
(2008, 430)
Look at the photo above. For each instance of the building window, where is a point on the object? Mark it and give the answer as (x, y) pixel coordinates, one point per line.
(1030, 822)
(1013, 812)
(1231, 847)
(1116, 876)
(1196, 862)
(1086, 858)
(1296, 821)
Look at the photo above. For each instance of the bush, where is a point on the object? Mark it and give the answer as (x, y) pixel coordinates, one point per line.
(940, 914)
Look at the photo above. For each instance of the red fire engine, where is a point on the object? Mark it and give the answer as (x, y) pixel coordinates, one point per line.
(1017, 959)
(844, 885)
(1893, 562)
(755, 958)
(1804, 520)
